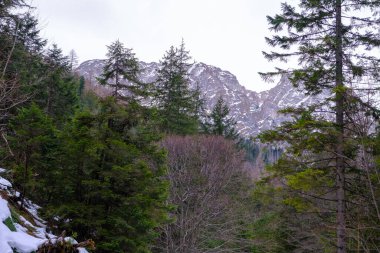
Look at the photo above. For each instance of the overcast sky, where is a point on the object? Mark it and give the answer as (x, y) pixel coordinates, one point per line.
(225, 33)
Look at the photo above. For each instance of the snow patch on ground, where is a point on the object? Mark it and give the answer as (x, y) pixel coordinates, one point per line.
(20, 240)
(4, 184)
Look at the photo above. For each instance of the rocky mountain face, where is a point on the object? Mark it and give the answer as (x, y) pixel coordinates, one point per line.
(253, 111)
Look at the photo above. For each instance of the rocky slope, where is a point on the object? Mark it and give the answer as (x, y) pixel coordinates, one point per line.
(21, 230)
(253, 111)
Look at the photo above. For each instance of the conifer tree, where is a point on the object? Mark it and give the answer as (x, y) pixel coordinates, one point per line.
(111, 187)
(33, 145)
(29, 34)
(333, 42)
(20, 59)
(27, 59)
(60, 94)
(219, 122)
(121, 72)
(178, 105)
(5, 11)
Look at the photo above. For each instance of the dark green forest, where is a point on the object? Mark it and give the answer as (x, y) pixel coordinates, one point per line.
(146, 168)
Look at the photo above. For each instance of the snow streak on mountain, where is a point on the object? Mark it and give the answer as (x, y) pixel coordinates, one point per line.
(253, 111)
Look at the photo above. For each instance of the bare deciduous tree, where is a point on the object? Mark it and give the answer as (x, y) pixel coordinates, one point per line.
(207, 186)
(73, 60)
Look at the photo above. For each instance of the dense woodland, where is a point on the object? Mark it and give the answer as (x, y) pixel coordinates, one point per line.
(144, 168)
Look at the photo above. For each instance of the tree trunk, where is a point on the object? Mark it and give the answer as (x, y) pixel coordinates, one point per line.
(117, 81)
(340, 167)
(49, 100)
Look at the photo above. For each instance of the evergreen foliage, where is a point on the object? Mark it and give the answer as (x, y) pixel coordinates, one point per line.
(111, 188)
(20, 59)
(178, 105)
(219, 122)
(30, 73)
(96, 169)
(269, 231)
(333, 42)
(121, 73)
(33, 145)
(60, 96)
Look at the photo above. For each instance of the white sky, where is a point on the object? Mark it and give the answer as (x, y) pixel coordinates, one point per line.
(225, 33)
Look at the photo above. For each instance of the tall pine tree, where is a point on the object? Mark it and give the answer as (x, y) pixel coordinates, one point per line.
(219, 122)
(33, 143)
(333, 42)
(111, 188)
(60, 94)
(178, 105)
(121, 72)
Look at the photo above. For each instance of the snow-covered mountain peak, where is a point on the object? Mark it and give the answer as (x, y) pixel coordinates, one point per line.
(253, 111)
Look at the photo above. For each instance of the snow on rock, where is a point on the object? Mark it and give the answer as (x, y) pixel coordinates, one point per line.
(21, 241)
(247, 107)
(254, 111)
(4, 210)
(82, 250)
(4, 184)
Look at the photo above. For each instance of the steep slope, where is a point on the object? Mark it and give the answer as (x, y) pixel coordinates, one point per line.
(21, 230)
(253, 111)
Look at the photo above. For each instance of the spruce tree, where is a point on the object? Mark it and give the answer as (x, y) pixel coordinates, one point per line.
(20, 59)
(178, 105)
(112, 188)
(27, 59)
(121, 72)
(33, 144)
(334, 43)
(219, 122)
(29, 34)
(59, 96)
(6, 15)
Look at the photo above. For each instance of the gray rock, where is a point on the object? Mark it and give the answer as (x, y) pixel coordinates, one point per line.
(253, 111)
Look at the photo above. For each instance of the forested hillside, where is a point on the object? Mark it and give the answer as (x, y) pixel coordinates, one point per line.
(129, 162)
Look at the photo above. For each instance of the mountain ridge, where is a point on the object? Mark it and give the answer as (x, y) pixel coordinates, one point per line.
(253, 111)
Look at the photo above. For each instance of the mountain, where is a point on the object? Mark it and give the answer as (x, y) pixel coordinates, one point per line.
(253, 111)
